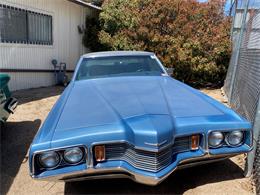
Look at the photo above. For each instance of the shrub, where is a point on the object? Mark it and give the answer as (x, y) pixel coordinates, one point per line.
(90, 36)
(189, 36)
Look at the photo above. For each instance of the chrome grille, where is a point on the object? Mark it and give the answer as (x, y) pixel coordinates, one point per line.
(146, 160)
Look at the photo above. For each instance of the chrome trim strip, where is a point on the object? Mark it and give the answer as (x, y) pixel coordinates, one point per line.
(148, 180)
(107, 176)
(202, 162)
(171, 142)
(156, 144)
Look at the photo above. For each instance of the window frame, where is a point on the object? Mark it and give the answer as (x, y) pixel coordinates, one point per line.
(29, 41)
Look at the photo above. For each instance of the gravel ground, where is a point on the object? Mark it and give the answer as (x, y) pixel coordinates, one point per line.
(225, 177)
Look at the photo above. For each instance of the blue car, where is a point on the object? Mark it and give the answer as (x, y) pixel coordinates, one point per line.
(123, 116)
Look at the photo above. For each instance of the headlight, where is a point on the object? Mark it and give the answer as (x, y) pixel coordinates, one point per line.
(216, 139)
(73, 155)
(234, 138)
(49, 159)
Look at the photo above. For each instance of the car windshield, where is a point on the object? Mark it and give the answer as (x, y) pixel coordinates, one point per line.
(118, 66)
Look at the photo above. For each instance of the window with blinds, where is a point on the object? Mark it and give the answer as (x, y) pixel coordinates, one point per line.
(24, 26)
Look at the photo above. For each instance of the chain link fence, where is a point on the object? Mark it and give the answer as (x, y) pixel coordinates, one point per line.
(242, 84)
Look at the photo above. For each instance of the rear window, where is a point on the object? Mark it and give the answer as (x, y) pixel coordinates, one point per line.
(118, 66)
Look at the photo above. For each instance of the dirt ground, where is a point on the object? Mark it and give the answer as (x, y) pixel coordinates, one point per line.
(224, 177)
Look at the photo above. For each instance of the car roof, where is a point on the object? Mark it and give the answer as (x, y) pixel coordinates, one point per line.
(117, 53)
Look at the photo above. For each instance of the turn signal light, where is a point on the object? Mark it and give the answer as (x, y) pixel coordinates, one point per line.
(100, 153)
(195, 141)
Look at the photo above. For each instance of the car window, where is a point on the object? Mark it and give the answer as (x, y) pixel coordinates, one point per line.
(118, 66)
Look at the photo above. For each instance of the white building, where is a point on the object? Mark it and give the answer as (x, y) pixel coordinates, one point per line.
(34, 32)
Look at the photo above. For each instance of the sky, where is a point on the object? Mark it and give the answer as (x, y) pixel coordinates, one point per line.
(241, 4)
(227, 6)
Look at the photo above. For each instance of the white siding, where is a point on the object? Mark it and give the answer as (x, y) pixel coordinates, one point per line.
(67, 43)
(30, 80)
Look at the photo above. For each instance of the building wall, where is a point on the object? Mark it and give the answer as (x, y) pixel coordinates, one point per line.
(67, 43)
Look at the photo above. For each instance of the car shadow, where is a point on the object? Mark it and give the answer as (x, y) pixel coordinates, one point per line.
(29, 95)
(177, 183)
(16, 138)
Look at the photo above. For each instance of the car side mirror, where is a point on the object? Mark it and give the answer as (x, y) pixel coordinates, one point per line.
(169, 71)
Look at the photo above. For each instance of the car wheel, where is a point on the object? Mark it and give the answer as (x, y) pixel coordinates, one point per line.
(257, 167)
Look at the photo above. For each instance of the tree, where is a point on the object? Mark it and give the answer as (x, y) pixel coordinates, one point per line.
(189, 36)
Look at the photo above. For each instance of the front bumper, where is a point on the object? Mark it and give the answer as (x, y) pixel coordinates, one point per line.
(121, 169)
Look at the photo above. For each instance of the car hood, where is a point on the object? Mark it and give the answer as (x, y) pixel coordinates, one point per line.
(105, 101)
(133, 108)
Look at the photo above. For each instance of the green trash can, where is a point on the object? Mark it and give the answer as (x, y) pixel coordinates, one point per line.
(7, 102)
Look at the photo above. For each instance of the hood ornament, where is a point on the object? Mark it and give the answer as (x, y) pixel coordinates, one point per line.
(156, 144)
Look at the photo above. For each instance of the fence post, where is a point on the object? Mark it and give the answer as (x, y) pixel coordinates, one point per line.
(237, 49)
(256, 132)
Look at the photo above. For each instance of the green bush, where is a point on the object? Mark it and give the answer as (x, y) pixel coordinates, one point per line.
(90, 36)
(189, 36)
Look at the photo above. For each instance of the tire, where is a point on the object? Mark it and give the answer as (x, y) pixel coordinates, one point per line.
(257, 167)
